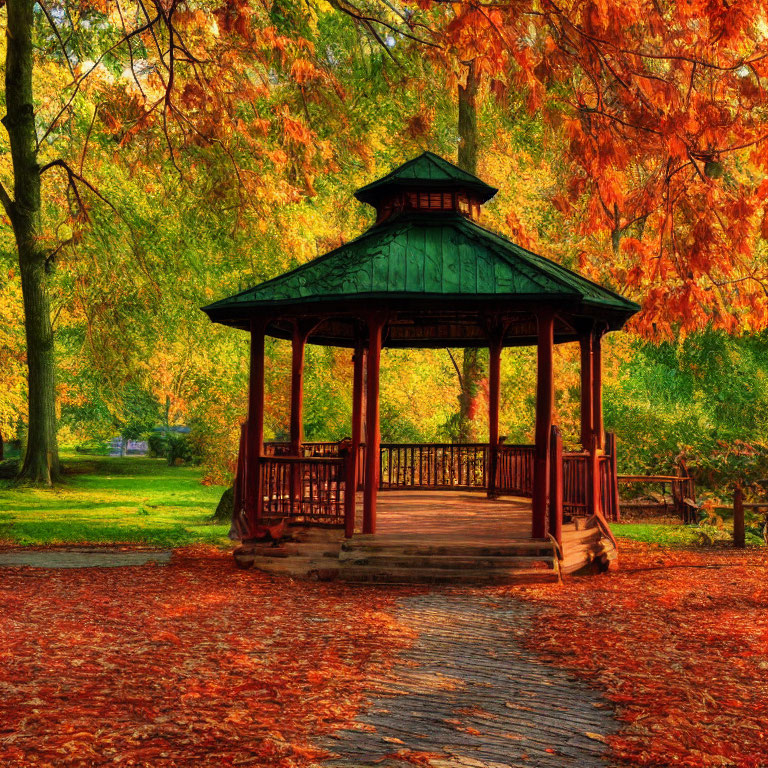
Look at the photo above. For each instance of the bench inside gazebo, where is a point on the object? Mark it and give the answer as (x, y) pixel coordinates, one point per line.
(427, 275)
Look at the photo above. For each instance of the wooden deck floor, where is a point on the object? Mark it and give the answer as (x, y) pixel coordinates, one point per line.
(460, 514)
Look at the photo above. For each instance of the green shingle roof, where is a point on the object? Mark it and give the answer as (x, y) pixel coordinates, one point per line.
(426, 255)
(426, 171)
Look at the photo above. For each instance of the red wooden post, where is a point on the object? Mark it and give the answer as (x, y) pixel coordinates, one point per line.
(585, 346)
(596, 497)
(556, 487)
(494, 386)
(610, 442)
(357, 433)
(545, 394)
(373, 438)
(254, 497)
(739, 539)
(298, 344)
(597, 389)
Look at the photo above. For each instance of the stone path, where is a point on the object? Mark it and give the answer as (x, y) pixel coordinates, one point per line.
(83, 558)
(472, 695)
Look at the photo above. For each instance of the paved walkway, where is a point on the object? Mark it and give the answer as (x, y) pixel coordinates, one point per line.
(470, 694)
(83, 558)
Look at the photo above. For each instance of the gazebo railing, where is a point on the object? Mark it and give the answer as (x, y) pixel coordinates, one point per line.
(311, 488)
(304, 489)
(515, 470)
(421, 466)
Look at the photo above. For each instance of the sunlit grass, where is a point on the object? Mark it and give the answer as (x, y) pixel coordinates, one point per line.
(679, 535)
(105, 500)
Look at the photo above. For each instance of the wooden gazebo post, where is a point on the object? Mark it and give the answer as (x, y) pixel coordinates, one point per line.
(597, 388)
(255, 437)
(298, 345)
(587, 394)
(545, 393)
(350, 497)
(373, 437)
(495, 345)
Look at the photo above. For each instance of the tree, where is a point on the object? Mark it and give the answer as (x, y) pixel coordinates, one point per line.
(663, 112)
(192, 77)
(472, 368)
(41, 461)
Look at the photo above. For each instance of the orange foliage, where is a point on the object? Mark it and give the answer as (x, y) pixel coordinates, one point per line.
(190, 663)
(677, 639)
(662, 109)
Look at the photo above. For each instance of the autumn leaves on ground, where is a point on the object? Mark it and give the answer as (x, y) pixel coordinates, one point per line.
(197, 663)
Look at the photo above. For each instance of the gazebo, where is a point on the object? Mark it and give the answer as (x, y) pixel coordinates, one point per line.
(425, 275)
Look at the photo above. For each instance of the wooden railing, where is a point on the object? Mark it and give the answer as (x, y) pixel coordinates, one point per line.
(304, 489)
(312, 449)
(311, 487)
(433, 465)
(515, 469)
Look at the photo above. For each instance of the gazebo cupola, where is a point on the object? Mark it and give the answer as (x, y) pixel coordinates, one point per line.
(426, 184)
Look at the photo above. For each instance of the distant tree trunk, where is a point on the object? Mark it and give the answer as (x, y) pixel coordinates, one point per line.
(472, 367)
(1, 446)
(41, 459)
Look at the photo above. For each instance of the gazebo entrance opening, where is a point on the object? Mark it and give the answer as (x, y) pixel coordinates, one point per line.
(425, 275)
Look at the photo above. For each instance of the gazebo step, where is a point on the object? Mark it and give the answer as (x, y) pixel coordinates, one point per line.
(449, 546)
(393, 559)
(411, 575)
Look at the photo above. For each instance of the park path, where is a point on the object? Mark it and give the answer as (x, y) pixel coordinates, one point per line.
(82, 557)
(472, 696)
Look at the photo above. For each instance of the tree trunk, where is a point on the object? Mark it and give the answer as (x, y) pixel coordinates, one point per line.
(41, 459)
(472, 368)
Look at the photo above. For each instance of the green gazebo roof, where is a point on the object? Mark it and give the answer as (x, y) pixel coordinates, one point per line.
(426, 171)
(439, 276)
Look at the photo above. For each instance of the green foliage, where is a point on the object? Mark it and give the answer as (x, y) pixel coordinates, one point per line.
(175, 447)
(704, 399)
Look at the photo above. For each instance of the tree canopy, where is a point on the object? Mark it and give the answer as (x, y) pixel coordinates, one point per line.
(185, 150)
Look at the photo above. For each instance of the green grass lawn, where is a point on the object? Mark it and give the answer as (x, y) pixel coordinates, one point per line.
(654, 533)
(105, 500)
(679, 535)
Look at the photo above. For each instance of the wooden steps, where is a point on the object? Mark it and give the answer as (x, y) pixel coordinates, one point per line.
(407, 560)
(587, 549)
(310, 553)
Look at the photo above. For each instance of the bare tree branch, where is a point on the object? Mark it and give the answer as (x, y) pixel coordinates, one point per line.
(58, 36)
(73, 177)
(81, 80)
(456, 366)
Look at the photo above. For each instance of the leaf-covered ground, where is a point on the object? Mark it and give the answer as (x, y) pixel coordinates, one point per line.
(678, 639)
(194, 663)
